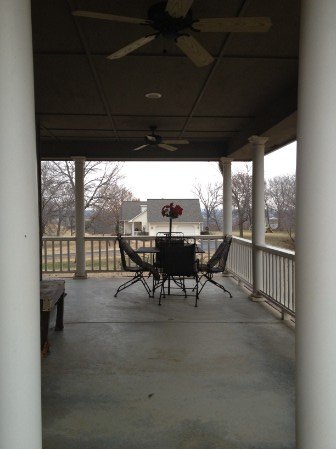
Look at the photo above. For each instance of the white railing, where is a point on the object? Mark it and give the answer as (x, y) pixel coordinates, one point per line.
(278, 271)
(240, 260)
(102, 255)
(58, 254)
(279, 277)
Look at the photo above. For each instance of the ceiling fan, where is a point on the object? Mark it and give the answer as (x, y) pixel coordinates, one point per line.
(154, 140)
(173, 19)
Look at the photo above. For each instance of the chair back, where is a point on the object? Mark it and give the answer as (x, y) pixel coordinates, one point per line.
(179, 260)
(220, 256)
(126, 249)
(162, 241)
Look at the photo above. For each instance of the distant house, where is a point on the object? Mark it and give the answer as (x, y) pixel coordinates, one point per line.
(144, 217)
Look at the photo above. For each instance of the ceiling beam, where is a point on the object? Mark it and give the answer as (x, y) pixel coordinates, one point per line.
(212, 71)
(122, 151)
(96, 77)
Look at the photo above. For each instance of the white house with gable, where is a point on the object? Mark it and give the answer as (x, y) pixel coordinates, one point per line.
(139, 217)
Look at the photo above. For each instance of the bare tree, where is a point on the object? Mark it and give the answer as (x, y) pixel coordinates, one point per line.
(52, 196)
(242, 197)
(58, 189)
(281, 196)
(210, 196)
(106, 215)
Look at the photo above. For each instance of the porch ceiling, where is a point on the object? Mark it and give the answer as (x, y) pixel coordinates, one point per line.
(88, 105)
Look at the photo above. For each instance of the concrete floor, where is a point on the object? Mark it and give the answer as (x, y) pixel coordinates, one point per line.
(127, 374)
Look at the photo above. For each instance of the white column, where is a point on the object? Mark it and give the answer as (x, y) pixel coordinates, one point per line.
(316, 215)
(20, 370)
(227, 195)
(258, 211)
(80, 218)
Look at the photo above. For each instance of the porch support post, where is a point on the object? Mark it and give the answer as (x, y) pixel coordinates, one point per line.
(20, 372)
(227, 196)
(316, 215)
(80, 218)
(258, 212)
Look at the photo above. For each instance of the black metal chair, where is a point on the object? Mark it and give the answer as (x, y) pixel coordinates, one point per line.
(162, 240)
(138, 269)
(177, 263)
(216, 264)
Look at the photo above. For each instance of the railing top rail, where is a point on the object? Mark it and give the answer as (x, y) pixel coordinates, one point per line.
(242, 241)
(53, 238)
(277, 251)
(130, 237)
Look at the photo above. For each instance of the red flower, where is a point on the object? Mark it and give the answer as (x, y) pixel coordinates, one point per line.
(171, 211)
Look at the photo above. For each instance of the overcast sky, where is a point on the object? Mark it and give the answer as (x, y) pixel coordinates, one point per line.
(176, 179)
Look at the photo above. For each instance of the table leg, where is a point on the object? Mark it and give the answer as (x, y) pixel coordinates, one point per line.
(44, 317)
(59, 315)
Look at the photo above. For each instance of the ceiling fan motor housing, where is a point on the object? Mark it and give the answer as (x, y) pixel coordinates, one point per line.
(153, 139)
(170, 27)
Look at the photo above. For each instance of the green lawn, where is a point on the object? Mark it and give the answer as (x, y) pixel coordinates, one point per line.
(279, 239)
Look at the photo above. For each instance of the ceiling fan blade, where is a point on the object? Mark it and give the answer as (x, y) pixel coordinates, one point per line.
(103, 16)
(234, 25)
(167, 147)
(178, 8)
(140, 147)
(194, 50)
(176, 141)
(132, 46)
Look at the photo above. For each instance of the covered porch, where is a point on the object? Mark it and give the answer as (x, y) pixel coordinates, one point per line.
(249, 101)
(126, 373)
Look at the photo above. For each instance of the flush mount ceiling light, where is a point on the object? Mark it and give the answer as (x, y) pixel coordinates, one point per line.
(153, 95)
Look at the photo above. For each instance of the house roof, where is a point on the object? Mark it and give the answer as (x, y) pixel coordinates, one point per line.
(130, 209)
(191, 209)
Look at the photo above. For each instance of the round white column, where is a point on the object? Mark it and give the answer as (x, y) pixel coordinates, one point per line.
(80, 218)
(227, 195)
(258, 211)
(20, 371)
(316, 215)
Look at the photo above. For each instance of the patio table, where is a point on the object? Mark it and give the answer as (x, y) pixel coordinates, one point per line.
(52, 294)
(154, 250)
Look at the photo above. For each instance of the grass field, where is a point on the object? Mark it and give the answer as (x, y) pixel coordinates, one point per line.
(279, 239)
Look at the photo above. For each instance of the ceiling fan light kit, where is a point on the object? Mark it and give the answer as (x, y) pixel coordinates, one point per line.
(173, 19)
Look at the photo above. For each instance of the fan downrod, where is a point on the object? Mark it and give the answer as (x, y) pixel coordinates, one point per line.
(170, 27)
(153, 139)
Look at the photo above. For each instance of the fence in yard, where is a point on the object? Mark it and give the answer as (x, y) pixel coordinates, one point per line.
(102, 255)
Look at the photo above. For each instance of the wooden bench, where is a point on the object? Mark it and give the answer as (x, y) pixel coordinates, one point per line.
(51, 294)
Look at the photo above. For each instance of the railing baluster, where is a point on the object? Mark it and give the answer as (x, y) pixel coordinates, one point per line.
(107, 254)
(61, 255)
(92, 255)
(114, 255)
(45, 246)
(53, 254)
(68, 254)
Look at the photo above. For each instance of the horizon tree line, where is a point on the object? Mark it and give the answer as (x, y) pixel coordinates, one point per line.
(104, 193)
